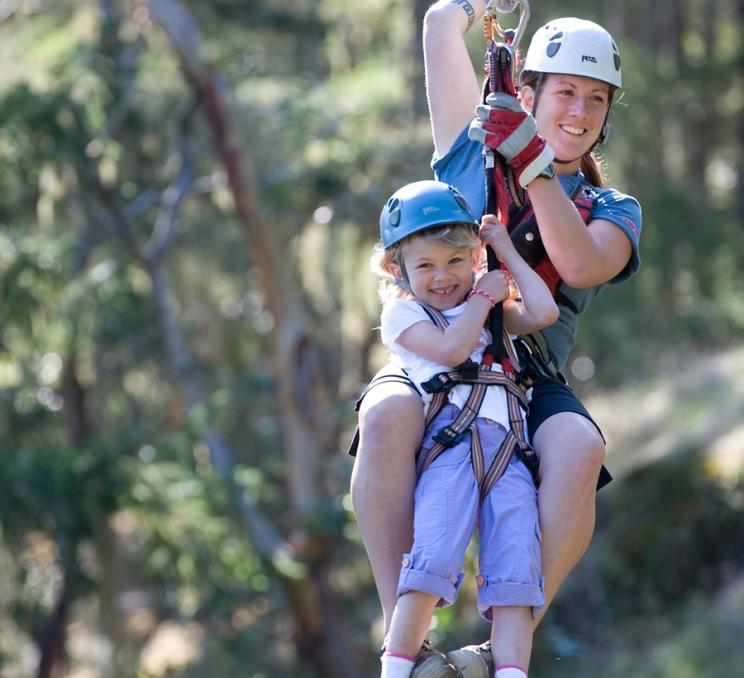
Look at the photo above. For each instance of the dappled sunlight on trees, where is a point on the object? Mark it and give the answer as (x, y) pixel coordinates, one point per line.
(189, 197)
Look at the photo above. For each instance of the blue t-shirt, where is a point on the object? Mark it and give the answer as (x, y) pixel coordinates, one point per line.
(462, 167)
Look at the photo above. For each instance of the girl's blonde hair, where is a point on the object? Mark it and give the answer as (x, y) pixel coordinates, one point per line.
(383, 260)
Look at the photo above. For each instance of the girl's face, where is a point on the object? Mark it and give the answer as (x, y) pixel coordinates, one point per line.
(439, 275)
(570, 113)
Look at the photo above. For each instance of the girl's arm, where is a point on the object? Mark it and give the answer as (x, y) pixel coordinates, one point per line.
(584, 256)
(537, 308)
(452, 87)
(455, 344)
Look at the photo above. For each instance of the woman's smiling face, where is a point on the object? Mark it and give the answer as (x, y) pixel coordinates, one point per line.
(571, 111)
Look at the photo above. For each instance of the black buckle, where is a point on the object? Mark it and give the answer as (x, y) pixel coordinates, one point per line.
(468, 371)
(527, 455)
(448, 437)
(439, 382)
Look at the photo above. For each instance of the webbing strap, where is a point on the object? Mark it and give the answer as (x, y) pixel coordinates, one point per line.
(479, 380)
(444, 381)
(384, 379)
(499, 464)
(525, 234)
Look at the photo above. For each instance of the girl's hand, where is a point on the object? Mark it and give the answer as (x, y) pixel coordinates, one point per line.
(495, 284)
(494, 233)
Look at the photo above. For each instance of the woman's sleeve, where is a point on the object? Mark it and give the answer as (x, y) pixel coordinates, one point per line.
(625, 212)
(462, 167)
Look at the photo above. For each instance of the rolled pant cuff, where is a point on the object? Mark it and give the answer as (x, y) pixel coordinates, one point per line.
(416, 580)
(508, 594)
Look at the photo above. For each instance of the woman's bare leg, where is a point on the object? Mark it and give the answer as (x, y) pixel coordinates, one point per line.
(571, 453)
(391, 426)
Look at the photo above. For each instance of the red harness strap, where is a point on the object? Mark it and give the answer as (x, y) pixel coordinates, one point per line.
(525, 235)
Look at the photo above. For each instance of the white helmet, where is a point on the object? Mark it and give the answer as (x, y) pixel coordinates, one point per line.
(574, 47)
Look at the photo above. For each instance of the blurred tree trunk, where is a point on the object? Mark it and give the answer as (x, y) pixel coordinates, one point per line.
(51, 634)
(700, 119)
(739, 131)
(417, 84)
(322, 639)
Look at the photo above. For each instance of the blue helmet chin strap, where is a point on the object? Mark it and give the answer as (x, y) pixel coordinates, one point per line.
(404, 284)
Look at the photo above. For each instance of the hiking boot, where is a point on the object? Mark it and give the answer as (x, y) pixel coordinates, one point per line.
(472, 661)
(431, 663)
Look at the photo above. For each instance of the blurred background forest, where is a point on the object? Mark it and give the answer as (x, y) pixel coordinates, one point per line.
(188, 198)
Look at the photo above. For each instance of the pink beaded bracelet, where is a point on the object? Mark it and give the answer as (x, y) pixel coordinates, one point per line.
(483, 293)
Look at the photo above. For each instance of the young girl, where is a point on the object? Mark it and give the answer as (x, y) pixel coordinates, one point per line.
(571, 71)
(429, 255)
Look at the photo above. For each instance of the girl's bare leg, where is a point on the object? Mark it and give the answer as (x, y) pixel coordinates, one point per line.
(511, 636)
(410, 622)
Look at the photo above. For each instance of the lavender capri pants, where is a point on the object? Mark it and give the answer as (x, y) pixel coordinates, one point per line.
(446, 511)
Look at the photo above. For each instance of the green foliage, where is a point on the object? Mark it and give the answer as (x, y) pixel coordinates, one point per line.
(107, 484)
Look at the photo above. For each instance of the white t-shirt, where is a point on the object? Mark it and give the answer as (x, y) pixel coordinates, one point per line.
(400, 314)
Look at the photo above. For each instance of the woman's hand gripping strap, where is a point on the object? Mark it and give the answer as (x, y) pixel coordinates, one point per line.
(504, 126)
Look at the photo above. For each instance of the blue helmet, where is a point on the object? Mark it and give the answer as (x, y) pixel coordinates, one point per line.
(421, 205)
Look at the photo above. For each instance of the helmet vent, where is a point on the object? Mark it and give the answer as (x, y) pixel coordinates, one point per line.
(461, 201)
(554, 44)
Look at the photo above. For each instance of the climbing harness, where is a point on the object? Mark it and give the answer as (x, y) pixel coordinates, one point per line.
(479, 377)
(499, 68)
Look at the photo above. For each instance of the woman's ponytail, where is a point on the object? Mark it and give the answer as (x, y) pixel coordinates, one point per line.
(591, 168)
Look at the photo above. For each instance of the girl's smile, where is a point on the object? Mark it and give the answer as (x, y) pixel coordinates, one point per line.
(439, 275)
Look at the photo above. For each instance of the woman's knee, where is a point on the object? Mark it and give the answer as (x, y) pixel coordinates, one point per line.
(589, 448)
(573, 447)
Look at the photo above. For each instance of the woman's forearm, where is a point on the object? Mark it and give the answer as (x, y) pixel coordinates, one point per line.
(583, 256)
(452, 87)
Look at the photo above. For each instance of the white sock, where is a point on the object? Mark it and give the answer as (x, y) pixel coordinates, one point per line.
(510, 672)
(396, 667)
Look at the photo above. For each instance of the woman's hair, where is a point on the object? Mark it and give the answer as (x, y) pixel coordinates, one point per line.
(591, 161)
(383, 260)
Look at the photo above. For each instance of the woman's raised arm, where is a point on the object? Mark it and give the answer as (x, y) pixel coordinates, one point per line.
(452, 86)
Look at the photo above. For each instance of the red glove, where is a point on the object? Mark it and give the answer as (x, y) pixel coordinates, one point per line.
(503, 125)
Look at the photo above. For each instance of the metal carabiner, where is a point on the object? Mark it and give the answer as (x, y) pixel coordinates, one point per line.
(490, 23)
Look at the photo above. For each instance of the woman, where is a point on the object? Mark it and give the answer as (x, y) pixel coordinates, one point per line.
(571, 71)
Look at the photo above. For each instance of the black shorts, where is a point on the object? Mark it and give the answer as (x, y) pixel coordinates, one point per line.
(549, 396)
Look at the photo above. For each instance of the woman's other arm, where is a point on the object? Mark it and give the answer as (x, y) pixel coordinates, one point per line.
(584, 256)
